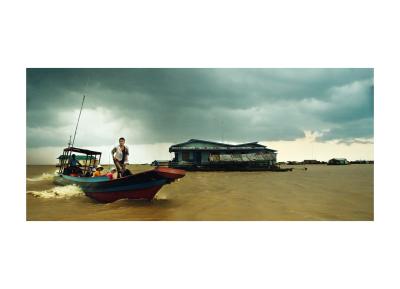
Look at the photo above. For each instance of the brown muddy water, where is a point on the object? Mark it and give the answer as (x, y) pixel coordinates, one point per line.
(319, 193)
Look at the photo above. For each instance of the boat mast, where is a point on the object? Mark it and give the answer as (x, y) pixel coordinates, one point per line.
(65, 156)
(77, 123)
(69, 143)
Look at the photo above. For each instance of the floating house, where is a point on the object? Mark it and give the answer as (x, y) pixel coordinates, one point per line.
(313, 162)
(198, 154)
(338, 161)
(365, 162)
(294, 163)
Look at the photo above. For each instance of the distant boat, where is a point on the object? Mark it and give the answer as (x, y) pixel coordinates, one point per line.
(144, 185)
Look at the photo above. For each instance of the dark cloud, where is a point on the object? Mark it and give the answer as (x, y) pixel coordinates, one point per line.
(172, 105)
(350, 131)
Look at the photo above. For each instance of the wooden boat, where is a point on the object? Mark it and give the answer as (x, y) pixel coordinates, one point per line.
(144, 185)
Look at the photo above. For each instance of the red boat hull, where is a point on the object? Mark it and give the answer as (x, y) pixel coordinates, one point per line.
(144, 185)
(170, 173)
(147, 194)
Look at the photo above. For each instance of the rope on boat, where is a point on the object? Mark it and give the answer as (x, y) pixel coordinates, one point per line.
(77, 123)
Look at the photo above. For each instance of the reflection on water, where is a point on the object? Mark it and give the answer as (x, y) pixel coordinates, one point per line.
(320, 193)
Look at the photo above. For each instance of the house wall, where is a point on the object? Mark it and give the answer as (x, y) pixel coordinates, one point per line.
(180, 159)
(204, 157)
(267, 157)
(274, 158)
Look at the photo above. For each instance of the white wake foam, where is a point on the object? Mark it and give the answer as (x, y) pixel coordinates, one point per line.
(65, 192)
(43, 177)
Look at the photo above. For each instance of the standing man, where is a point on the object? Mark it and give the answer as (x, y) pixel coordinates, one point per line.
(120, 156)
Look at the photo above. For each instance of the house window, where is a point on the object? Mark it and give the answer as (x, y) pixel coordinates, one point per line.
(185, 156)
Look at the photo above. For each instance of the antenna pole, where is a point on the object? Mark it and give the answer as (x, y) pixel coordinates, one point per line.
(77, 123)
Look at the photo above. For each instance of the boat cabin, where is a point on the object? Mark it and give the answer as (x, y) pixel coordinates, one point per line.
(87, 159)
(82, 159)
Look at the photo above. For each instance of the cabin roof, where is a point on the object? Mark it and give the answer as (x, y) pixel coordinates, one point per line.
(82, 151)
(78, 157)
(211, 145)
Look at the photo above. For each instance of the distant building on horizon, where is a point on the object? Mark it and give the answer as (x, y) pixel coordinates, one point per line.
(198, 154)
(294, 163)
(338, 161)
(362, 162)
(313, 162)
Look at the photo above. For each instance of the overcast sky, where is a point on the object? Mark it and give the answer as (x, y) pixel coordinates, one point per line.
(154, 108)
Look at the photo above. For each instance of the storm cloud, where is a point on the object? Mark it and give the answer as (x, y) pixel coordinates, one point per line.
(172, 105)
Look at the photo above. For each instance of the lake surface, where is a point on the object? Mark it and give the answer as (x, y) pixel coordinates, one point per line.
(319, 193)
